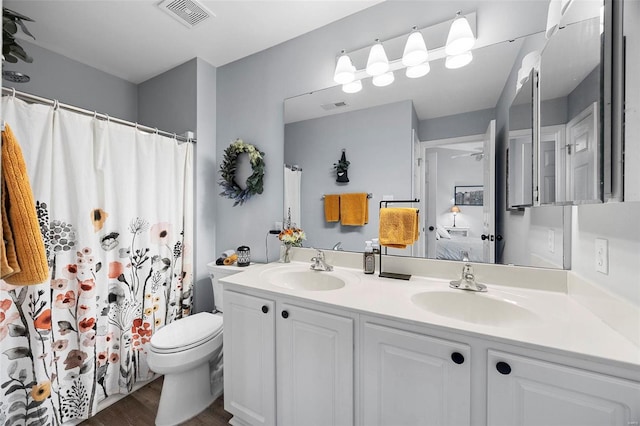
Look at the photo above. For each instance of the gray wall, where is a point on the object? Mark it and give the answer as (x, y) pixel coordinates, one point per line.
(206, 184)
(453, 126)
(57, 77)
(378, 145)
(168, 101)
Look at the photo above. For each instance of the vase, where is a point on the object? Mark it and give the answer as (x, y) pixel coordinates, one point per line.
(285, 253)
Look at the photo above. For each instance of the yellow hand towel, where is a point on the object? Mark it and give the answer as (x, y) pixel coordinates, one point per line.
(21, 217)
(354, 209)
(398, 227)
(332, 208)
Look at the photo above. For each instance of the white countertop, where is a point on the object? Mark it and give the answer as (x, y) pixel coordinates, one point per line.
(563, 324)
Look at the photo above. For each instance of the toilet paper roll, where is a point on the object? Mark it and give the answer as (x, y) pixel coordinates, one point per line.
(227, 253)
(231, 259)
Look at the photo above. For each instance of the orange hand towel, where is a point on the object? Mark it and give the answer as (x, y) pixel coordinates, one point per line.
(332, 208)
(21, 218)
(354, 209)
(398, 227)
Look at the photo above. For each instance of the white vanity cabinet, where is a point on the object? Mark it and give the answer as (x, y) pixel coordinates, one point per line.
(314, 364)
(410, 378)
(526, 391)
(310, 349)
(249, 359)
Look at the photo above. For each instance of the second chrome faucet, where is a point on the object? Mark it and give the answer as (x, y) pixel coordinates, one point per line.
(468, 279)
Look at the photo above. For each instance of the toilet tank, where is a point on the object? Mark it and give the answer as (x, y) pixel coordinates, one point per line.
(216, 272)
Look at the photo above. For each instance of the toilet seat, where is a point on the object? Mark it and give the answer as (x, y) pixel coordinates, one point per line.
(186, 333)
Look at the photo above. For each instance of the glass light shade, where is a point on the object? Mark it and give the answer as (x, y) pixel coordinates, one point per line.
(458, 61)
(344, 70)
(377, 63)
(353, 87)
(460, 38)
(383, 79)
(553, 18)
(415, 50)
(417, 71)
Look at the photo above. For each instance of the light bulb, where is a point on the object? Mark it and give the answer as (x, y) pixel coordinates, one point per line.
(377, 63)
(344, 70)
(415, 50)
(353, 87)
(458, 61)
(460, 38)
(383, 79)
(417, 71)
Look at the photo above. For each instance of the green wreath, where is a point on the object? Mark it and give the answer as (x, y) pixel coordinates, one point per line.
(254, 183)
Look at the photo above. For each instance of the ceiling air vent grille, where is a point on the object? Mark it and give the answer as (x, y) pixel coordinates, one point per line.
(188, 12)
(333, 105)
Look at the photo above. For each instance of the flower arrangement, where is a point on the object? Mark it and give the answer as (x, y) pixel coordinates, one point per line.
(254, 183)
(291, 236)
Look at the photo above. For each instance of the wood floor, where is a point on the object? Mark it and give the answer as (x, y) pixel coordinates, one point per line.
(139, 409)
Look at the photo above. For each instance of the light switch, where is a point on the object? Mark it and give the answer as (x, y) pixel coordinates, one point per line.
(602, 255)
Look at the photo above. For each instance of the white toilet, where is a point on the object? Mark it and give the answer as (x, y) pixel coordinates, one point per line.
(189, 354)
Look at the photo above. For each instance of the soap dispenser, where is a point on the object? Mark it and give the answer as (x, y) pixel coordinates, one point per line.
(369, 259)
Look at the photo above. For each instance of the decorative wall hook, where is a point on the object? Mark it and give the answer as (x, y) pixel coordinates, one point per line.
(341, 168)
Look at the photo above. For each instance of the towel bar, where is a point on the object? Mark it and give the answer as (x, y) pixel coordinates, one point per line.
(369, 195)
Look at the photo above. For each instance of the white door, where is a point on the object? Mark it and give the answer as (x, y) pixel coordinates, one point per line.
(413, 379)
(430, 196)
(582, 154)
(527, 392)
(548, 171)
(418, 249)
(249, 358)
(315, 367)
(489, 204)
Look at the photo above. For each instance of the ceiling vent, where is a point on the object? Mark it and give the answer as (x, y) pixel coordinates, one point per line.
(188, 12)
(334, 105)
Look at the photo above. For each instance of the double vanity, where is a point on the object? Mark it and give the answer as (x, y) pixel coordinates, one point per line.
(306, 347)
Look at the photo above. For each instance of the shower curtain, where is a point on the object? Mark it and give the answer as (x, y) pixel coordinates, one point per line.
(114, 207)
(292, 182)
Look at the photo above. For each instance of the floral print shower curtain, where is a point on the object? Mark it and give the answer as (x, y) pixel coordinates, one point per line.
(114, 206)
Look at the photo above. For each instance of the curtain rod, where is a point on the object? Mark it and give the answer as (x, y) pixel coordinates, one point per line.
(34, 98)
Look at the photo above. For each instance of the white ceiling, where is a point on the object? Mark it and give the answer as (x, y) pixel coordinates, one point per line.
(135, 40)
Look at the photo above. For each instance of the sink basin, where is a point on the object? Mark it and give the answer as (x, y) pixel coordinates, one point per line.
(298, 278)
(477, 308)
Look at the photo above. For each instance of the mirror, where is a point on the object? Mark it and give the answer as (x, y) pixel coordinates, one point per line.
(519, 149)
(571, 109)
(423, 138)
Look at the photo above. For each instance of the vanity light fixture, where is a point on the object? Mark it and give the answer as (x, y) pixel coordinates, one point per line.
(345, 71)
(460, 38)
(418, 71)
(353, 87)
(383, 79)
(377, 64)
(458, 61)
(415, 50)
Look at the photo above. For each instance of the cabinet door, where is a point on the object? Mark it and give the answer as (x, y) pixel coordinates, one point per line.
(249, 358)
(525, 391)
(315, 367)
(413, 379)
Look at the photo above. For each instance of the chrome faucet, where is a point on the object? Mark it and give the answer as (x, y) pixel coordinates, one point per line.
(319, 263)
(468, 279)
(338, 246)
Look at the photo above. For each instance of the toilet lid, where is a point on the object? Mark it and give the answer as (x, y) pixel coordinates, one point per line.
(187, 332)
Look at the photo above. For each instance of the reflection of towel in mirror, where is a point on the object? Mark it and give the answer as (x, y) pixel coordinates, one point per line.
(332, 207)
(354, 209)
(398, 226)
(21, 230)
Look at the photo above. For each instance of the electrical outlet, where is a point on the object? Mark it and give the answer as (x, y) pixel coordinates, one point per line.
(551, 240)
(602, 255)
